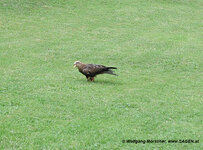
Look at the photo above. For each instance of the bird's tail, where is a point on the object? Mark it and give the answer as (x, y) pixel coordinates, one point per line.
(111, 68)
(110, 72)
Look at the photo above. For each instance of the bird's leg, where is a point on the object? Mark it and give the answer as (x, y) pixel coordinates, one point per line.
(88, 78)
(92, 79)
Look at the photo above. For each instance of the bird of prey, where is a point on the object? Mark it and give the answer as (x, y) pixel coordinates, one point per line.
(91, 70)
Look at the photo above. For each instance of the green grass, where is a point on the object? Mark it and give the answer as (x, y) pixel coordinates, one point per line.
(45, 103)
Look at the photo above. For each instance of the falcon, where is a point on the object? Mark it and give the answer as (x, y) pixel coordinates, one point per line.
(92, 70)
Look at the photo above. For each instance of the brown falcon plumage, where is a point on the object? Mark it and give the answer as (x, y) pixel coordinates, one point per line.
(91, 70)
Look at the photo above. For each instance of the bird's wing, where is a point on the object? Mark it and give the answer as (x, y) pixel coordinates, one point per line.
(86, 71)
(93, 69)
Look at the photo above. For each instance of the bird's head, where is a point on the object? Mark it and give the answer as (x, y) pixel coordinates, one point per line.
(77, 63)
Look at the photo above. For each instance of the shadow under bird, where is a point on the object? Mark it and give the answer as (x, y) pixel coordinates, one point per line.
(91, 70)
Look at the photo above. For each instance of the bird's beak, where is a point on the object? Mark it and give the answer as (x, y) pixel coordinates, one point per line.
(74, 65)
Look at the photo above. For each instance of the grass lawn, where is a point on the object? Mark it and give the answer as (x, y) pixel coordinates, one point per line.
(45, 103)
